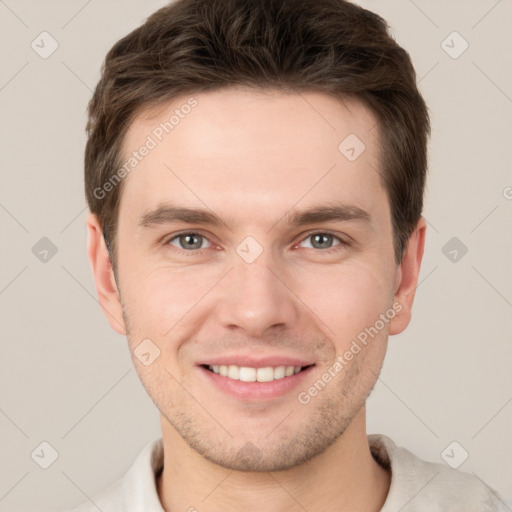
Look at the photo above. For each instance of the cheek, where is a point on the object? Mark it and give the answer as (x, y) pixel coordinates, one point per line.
(162, 299)
(343, 299)
(347, 299)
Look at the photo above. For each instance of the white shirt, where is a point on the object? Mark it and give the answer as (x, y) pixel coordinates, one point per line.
(416, 485)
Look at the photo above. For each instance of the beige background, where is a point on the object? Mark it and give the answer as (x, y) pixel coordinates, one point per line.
(66, 378)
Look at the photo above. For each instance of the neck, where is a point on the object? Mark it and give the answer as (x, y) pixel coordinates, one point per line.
(344, 477)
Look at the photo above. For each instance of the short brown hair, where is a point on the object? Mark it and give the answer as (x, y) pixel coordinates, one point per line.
(329, 46)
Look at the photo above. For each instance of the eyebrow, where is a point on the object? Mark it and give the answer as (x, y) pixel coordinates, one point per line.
(167, 214)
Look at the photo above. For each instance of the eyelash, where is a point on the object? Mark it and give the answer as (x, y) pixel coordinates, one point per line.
(336, 248)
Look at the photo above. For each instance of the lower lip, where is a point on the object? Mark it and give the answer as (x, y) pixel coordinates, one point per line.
(256, 390)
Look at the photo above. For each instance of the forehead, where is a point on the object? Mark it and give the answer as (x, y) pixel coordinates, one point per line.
(239, 151)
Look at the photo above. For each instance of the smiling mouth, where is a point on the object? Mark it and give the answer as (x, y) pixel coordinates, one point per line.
(249, 374)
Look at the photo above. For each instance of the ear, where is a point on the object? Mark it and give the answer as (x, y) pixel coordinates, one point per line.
(106, 286)
(407, 277)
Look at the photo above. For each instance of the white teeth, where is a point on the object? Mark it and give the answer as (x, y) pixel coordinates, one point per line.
(279, 372)
(233, 372)
(247, 374)
(265, 374)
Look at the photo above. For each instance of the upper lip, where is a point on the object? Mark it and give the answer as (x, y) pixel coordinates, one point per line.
(256, 362)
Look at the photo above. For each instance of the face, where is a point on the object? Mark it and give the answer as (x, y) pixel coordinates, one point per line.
(251, 243)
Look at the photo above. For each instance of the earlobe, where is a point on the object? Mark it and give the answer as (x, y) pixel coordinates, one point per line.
(108, 294)
(407, 277)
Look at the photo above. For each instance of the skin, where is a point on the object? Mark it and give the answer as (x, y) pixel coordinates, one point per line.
(252, 158)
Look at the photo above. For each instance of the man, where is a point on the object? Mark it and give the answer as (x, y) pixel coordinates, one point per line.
(255, 174)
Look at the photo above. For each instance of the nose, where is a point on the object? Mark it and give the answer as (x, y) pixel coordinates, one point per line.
(257, 297)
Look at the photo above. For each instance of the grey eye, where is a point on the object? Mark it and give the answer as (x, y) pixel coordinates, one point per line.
(188, 241)
(322, 240)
